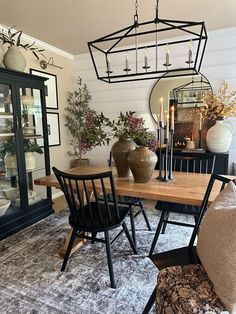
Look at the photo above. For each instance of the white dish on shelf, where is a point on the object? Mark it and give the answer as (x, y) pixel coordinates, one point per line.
(4, 204)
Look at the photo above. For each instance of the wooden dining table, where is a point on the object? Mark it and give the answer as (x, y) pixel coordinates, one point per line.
(186, 188)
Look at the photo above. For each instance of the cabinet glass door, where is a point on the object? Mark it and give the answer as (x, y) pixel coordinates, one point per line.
(9, 189)
(33, 141)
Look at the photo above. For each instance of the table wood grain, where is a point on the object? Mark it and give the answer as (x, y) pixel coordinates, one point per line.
(186, 188)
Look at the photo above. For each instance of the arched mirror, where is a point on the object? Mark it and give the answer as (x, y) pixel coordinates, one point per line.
(185, 94)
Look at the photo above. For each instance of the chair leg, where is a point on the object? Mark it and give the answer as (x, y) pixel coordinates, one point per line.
(94, 234)
(165, 223)
(150, 303)
(67, 255)
(133, 225)
(145, 216)
(109, 259)
(158, 231)
(129, 238)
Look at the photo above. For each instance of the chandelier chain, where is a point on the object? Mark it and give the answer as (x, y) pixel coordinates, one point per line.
(157, 10)
(136, 12)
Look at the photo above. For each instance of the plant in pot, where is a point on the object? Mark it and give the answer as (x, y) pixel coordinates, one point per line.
(132, 150)
(86, 127)
(13, 58)
(8, 151)
(217, 108)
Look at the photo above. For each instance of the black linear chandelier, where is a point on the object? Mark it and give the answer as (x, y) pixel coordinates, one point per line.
(192, 92)
(145, 50)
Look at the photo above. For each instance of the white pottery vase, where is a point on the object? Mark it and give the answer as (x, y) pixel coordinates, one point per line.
(10, 165)
(219, 137)
(30, 161)
(11, 161)
(14, 59)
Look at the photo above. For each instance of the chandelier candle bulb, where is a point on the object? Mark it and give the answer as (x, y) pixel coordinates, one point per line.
(190, 52)
(146, 58)
(167, 55)
(108, 64)
(126, 61)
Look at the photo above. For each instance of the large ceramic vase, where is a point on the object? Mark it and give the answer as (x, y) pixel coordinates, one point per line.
(219, 137)
(120, 151)
(142, 162)
(14, 59)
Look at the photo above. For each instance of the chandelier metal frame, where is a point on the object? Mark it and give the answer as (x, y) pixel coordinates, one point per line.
(193, 33)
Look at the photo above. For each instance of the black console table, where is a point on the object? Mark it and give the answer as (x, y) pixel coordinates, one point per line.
(221, 163)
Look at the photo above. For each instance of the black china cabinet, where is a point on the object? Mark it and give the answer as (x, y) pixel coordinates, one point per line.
(24, 153)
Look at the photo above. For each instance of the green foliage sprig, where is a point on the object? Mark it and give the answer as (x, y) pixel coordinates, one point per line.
(29, 146)
(87, 128)
(10, 36)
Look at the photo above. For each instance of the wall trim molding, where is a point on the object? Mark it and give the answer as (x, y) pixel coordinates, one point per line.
(48, 47)
(44, 45)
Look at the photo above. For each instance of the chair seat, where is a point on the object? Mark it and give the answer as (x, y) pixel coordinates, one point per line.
(186, 289)
(180, 256)
(86, 224)
(123, 200)
(177, 208)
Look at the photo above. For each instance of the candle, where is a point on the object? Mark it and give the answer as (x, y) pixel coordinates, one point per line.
(146, 58)
(108, 64)
(167, 127)
(126, 61)
(200, 122)
(190, 47)
(172, 126)
(167, 55)
(158, 121)
(161, 110)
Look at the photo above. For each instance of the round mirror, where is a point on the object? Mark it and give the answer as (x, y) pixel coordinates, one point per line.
(182, 92)
(185, 94)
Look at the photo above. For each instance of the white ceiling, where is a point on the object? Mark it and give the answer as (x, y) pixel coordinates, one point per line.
(70, 24)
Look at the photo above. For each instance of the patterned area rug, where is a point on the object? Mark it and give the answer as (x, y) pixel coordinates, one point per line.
(31, 281)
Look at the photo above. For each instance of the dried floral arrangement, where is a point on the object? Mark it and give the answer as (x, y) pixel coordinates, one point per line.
(221, 105)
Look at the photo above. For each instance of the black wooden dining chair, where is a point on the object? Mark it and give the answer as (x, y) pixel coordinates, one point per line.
(185, 255)
(88, 214)
(194, 164)
(132, 202)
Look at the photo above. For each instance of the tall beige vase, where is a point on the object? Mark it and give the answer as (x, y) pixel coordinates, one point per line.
(14, 59)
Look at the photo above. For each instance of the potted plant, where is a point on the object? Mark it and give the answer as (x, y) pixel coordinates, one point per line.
(8, 151)
(86, 127)
(135, 144)
(13, 58)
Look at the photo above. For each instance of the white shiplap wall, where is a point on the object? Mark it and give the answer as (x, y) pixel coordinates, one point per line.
(219, 64)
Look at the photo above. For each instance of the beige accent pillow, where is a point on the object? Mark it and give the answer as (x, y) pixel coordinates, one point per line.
(216, 245)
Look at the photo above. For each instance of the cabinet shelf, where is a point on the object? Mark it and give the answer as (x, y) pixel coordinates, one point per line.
(6, 136)
(6, 114)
